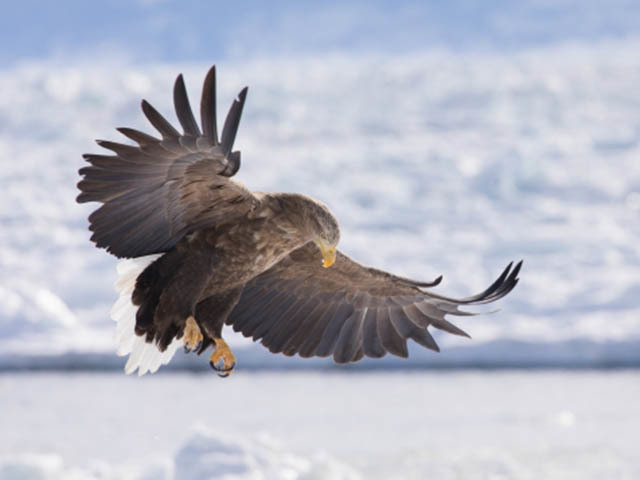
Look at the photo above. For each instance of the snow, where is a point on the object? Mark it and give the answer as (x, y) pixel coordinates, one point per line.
(205, 455)
(209, 455)
(448, 137)
(438, 163)
(304, 426)
(437, 155)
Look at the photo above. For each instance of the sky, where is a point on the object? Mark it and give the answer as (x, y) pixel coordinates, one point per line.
(159, 30)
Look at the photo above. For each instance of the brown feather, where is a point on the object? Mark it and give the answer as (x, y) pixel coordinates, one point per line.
(182, 179)
(248, 259)
(363, 311)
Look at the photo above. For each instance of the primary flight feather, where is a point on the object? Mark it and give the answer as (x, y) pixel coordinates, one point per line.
(204, 251)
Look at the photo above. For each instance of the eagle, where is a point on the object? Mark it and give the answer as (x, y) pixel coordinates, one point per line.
(201, 251)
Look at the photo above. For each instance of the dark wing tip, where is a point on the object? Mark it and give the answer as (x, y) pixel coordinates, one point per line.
(416, 283)
(208, 106)
(211, 73)
(158, 121)
(137, 136)
(508, 284)
(178, 86)
(516, 271)
(519, 266)
(183, 108)
(498, 289)
(231, 123)
(494, 287)
(434, 283)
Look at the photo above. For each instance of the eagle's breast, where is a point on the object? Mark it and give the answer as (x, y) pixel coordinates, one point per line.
(249, 248)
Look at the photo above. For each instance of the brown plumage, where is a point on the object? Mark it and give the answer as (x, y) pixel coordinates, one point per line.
(248, 259)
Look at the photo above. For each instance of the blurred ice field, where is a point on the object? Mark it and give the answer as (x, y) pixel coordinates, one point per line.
(465, 136)
(434, 163)
(380, 425)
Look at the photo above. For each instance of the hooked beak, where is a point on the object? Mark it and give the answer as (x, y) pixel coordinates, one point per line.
(328, 255)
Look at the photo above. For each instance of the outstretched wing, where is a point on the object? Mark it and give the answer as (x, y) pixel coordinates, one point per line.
(348, 310)
(155, 193)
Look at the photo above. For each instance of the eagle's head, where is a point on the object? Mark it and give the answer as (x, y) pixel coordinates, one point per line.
(310, 221)
(326, 233)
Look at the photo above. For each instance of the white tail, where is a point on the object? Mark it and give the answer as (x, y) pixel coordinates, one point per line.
(142, 355)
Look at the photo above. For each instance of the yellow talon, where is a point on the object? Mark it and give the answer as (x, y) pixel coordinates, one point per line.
(222, 352)
(192, 334)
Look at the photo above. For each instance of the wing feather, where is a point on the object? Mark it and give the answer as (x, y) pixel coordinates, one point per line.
(371, 343)
(391, 339)
(276, 338)
(349, 311)
(156, 192)
(137, 136)
(301, 330)
(230, 127)
(208, 106)
(315, 334)
(270, 322)
(329, 336)
(297, 315)
(245, 314)
(158, 121)
(183, 109)
(258, 324)
(350, 338)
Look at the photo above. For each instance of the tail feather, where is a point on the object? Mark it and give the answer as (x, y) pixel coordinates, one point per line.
(144, 357)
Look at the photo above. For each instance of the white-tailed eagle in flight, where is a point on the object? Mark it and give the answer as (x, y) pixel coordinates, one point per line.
(204, 251)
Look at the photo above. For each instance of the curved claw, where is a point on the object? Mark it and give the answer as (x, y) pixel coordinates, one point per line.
(188, 349)
(227, 369)
(223, 371)
(192, 336)
(222, 356)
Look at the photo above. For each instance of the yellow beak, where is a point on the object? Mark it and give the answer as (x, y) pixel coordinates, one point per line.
(328, 256)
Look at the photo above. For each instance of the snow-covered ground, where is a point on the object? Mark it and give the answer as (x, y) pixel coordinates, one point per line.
(380, 425)
(448, 137)
(434, 163)
(437, 157)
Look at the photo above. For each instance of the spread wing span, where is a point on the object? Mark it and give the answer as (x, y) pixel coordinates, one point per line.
(156, 192)
(348, 310)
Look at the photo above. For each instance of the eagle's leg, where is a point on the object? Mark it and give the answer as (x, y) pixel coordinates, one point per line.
(211, 314)
(180, 285)
(222, 359)
(192, 336)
